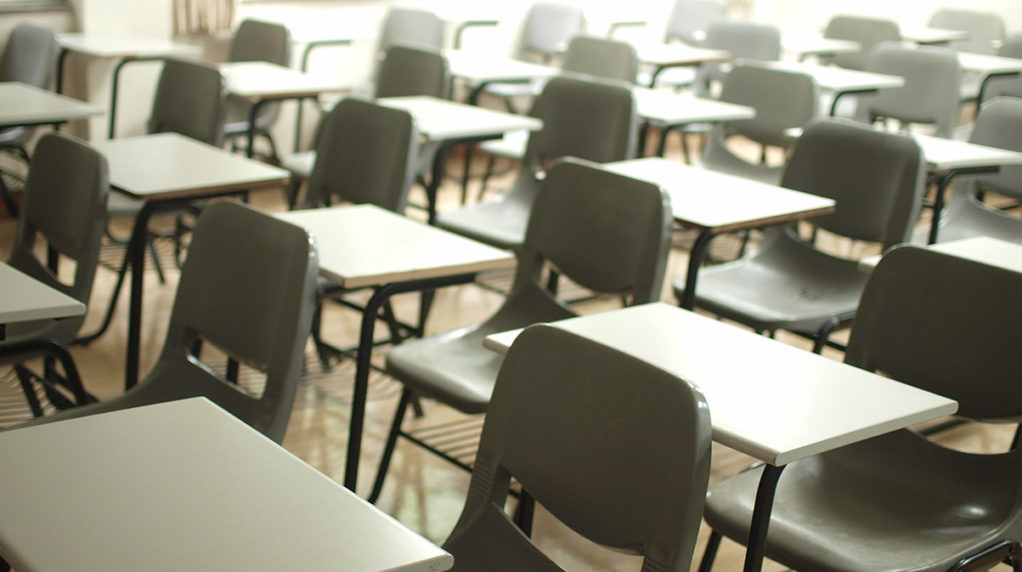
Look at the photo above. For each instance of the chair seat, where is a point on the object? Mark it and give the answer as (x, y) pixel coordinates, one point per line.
(966, 217)
(921, 512)
(511, 146)
(785, 284)
(237, 112)
(501, 222)
(300, 164)
(517, 89)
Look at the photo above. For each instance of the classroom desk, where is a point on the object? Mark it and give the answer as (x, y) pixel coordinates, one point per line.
(805, 46)
(947, 159)
(985, 249)
(366, 246)
(713, 203)
(989, 67)
(841, 81)
(125, 49)
(777, 403)
(925, 36)
(669, 110)
(665, 56)
(448, 123)
(165, 171)
(263, 82)
(184, 485)
(27, 299)
(479, 70)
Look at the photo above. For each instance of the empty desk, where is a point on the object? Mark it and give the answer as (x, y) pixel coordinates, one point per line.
(992, 251)
(841, 81)
(185, 486)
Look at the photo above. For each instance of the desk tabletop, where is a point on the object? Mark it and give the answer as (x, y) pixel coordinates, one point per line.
(717, 202)
(929, 36)
(671, 55)
(985, 249)
(810, 45)
(169, 165)
(838, 79)
(185, 486)
(672, 108)
(23, 104)
(263, 80)
(364, 245)
(987, 64)
(124, 46)
(944, 154)
(777, 403)
(479, 67)
(25, 299)
(442, 119)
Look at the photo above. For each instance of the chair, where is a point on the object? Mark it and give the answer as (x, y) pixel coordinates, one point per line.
(986, 29)
(257, 41)
(687, 22)
(876, 179)
(899, 501)
(1010, 86)
(65, 205)
(408, 26)
(404, 71)
(628, 469)
(783, 99)
(744, 41)
(867, 31)
(30, 57)
(930, 94)
(191, 99)
(247, 289)
(999, 125)
(586, 55)
(579, 210)
(590, 120)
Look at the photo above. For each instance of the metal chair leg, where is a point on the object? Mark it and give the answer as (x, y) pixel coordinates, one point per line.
(388, 449)
(710, 554)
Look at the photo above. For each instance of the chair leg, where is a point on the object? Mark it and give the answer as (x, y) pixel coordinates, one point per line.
(823, 334)
(151, 245)
(490, 162)
(8, 199)
(388, 449)
(25, 379)
(710, 554)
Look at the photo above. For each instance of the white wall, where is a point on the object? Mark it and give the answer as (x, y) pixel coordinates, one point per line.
(811, 15)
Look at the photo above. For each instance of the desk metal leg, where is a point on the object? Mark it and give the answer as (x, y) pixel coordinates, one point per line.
(253, 112)
(838, 95)
(983, 85)
(59, 82)
(695, 260)
(363, 363)
(756, 545)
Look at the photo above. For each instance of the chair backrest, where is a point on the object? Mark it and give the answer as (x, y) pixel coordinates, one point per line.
(30, 56)
(931, 91)
(366, 153)
(619, 233)
(248, 288)
(783, 99)
(985, 29)
(410, 27)
(876, 179)
(259, 41)
(1000, 125)
(615, 448)
(867, 31)
(65, 204)
(585, 118)
(745, 41)
(547, 28)
(407, 70)
(601, 57)
(689, 20)
(945, 324)
(191, 99)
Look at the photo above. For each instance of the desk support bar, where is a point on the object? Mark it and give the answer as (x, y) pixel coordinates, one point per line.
(695, 260)
(943, 182)
(756, 545)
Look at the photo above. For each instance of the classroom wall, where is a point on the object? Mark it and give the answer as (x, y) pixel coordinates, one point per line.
(812, 15)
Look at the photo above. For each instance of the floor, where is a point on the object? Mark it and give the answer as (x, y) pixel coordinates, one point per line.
(423, 492)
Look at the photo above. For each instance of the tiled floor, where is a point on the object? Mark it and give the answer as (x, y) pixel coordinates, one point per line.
(423, 491)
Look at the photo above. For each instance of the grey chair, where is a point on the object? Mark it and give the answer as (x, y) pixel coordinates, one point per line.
(590, 120)
(986, 29)
(745, 41)
(246, 289)
(899, 501)
(999, 125)
(867, 31)
(404, 71)
(191, 100)
(783, 99)
(1005, 86)
(687, 22)
(255, 40)
(930, 94)
(409, 26)
(876, 179)
(29, 57)
(627, 470)
(579, 210)
(586, 55)
(65, 209)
